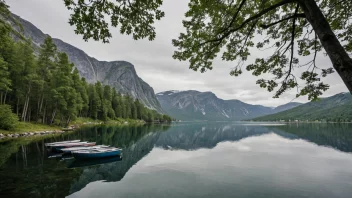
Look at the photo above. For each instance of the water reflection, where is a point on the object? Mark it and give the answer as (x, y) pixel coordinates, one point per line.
(257, 166)
(28, 172)
(215, 156)
(92, 162)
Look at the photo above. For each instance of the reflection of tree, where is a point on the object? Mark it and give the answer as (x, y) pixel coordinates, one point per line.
(28, 173)
(10, 146)
(338, 135)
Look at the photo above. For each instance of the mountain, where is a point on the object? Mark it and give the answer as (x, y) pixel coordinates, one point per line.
(286, 106)
(335, 108)
(195, 105)
(118, 74)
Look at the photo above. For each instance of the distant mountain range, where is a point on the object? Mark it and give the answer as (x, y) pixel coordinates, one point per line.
(118, 74)
(336, 108)
(195, 105)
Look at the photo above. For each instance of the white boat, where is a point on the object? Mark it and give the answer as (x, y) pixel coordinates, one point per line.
(71, 141)
(58, 147)
(69, 150)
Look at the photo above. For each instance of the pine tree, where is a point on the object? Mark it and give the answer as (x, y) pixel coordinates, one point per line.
(45, 66)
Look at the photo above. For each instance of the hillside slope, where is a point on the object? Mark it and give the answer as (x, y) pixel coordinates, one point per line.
(336, 108)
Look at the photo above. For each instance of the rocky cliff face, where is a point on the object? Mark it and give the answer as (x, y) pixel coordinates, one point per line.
(119, 74)
(195, 105)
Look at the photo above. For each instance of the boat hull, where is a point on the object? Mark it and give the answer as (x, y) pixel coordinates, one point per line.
(96, 155)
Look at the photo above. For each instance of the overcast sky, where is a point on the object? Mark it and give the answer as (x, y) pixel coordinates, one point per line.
(153, 59)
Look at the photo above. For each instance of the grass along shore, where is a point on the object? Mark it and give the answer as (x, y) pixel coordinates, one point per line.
(23, 127)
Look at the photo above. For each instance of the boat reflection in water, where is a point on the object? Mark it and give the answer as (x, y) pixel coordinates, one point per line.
(92, 162)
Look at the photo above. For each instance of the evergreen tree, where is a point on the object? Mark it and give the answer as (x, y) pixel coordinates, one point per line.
(45, 66)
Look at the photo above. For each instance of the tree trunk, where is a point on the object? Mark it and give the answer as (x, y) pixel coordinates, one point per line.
(29, 114)
(338, 55)
(26, 104)
(41, 103)
(68, 121)
(44, 118)
(23, 116)
(26, 112)
(53, 116)
(17, 105)
(4, 101)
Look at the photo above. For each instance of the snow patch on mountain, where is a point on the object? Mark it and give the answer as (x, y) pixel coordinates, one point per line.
(224, 113)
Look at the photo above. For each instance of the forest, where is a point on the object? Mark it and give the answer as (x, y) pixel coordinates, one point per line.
(41, 85)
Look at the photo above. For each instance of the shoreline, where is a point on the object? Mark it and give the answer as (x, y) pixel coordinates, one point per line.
(303, 122)
(58, 130)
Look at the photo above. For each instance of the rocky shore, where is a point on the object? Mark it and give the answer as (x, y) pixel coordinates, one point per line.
(63, 130)
(26, 134)
(36, 133)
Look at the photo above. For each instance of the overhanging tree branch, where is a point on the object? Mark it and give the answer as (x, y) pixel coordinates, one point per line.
(301, 15)
(284, 82)
(234, 16)
(292, 41)
(250, 19)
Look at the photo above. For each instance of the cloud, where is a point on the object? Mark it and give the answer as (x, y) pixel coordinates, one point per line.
(153, 60)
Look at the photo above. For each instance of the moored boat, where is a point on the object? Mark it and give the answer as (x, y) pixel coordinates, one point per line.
(58, 147)
(69, 150)
(62, 142)
(96, 153)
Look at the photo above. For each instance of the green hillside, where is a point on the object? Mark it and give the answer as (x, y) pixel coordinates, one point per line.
(337, 108)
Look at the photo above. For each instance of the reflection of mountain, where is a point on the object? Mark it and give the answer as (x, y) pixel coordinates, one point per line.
(195, 136)
(337, 136)
(207, 135)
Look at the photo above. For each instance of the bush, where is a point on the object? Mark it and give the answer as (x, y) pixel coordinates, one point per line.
(8, 120)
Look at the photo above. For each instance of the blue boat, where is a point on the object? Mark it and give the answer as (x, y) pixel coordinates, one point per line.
(96, 153)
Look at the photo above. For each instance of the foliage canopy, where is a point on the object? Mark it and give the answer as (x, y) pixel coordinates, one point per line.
(289, 29)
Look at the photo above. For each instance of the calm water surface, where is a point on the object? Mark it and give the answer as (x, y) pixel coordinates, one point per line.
(188, 160)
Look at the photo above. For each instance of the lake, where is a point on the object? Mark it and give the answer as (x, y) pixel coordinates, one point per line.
(205, 159)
